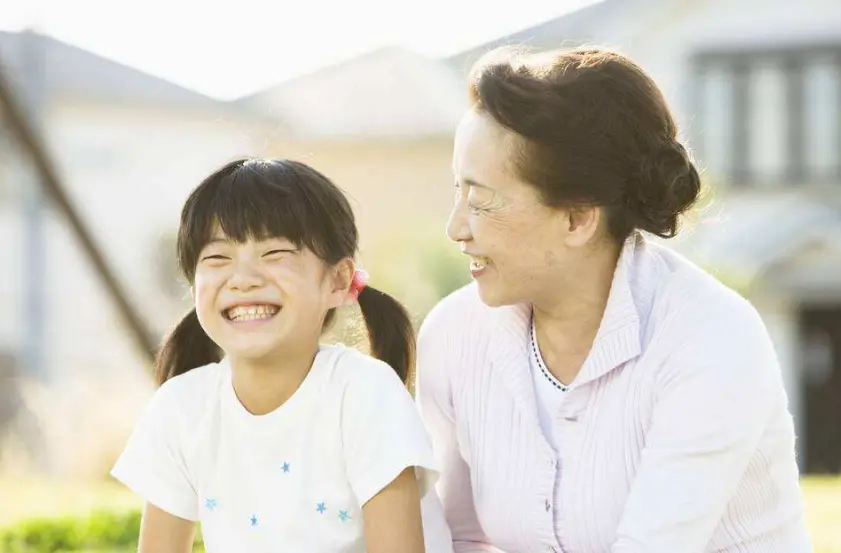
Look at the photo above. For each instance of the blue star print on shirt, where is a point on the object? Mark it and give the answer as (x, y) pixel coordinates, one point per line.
(321, 508)
(344, 516)
(210, 504)
(285, 467)
(253, 520)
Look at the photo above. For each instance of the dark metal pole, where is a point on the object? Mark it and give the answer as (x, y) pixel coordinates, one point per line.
(55, 190)
(34, 269)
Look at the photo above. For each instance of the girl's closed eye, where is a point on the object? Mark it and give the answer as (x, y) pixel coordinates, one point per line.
(280, 253)
(215, 257)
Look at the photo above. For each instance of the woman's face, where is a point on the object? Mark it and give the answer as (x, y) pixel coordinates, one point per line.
(517, 245)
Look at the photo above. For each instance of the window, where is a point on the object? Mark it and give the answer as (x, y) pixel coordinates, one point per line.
(716, 140)
(767, 124)
(822, 102)
(770, 117)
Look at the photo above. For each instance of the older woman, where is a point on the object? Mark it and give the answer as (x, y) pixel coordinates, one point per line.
(593, 391)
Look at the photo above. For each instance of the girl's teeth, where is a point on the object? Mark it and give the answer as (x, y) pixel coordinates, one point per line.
(249, 317)
(251, 313)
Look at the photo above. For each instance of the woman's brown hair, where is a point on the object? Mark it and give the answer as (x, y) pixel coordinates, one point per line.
(595, 130)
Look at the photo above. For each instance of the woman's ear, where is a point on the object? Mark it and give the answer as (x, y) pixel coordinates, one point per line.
(582, 224)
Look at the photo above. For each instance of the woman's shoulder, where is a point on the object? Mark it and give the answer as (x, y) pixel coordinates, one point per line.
(462, 299)
(698, 318)
(694, 297)
(461, 313)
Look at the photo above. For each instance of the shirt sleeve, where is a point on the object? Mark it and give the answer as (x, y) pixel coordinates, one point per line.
(715, 396)
(434, 399)
(152, 464)
(383, 434)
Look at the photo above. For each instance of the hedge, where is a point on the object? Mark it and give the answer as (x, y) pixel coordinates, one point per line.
(112, 531)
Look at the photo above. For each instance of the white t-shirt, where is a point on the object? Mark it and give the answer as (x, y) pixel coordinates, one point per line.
(294, 479)
(549, 392)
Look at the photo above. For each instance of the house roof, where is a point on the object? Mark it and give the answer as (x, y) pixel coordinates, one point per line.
(74, 72)
(393, 92)
(389, 92)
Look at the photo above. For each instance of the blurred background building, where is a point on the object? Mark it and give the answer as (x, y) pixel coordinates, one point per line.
(755, 84)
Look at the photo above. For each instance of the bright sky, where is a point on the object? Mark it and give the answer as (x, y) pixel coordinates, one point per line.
(240, 46)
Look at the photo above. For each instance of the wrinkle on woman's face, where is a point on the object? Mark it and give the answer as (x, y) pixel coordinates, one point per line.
(499, 219)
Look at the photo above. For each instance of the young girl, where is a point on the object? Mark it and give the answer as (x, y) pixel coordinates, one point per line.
(274, 442)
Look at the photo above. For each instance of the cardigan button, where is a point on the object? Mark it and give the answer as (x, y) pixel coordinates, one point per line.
(547, 505)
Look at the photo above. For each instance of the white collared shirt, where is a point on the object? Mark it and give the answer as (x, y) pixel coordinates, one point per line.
(674, 438)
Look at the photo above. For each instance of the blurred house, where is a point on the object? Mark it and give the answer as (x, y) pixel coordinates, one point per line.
(380, 125)
(130, 147)
(755, 84)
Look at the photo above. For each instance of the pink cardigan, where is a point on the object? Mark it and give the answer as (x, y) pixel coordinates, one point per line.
(675, 436)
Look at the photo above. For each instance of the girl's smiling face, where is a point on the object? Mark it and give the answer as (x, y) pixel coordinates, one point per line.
(258, 298)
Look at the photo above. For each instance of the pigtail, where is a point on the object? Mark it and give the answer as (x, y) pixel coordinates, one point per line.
(390, 330)
(186, 347)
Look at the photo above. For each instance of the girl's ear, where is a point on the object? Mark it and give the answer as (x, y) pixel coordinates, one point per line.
(341, 276)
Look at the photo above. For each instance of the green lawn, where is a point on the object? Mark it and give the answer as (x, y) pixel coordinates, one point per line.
(38, 498)
(823, 513)
(41, 497)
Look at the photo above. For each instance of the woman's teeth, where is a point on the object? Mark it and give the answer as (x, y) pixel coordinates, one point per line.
(478, 263)
(251, 312)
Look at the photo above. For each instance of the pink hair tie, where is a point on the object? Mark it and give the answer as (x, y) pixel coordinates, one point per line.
(358, 283)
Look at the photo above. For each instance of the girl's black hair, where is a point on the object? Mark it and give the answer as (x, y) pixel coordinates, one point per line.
(269, 198)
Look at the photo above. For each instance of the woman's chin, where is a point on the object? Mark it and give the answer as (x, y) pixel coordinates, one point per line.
(491, 295)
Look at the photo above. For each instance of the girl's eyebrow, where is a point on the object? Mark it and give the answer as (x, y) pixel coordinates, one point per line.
(218, 240)
(280, 239)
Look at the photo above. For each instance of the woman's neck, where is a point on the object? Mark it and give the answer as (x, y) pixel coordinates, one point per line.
(263, 385)
(566, 323)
